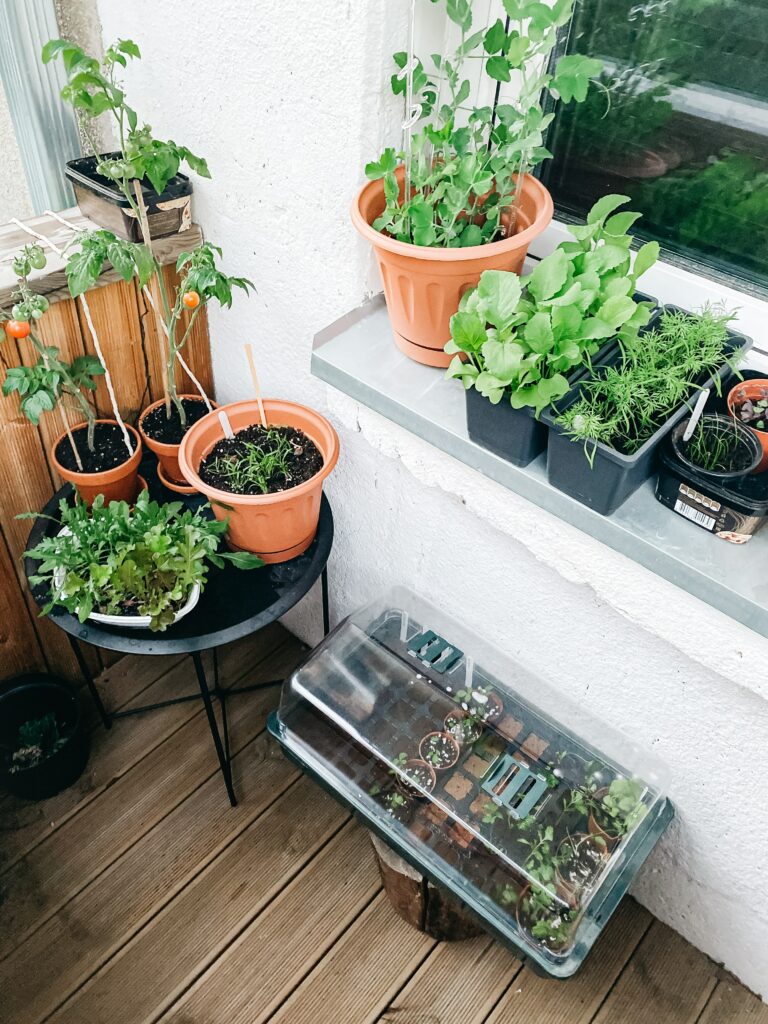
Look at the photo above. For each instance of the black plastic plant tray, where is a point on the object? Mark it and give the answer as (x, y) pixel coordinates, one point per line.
(613, 477)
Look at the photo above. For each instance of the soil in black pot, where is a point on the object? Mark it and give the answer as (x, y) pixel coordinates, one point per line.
(108, 449)
(259, 460)
(169, 429)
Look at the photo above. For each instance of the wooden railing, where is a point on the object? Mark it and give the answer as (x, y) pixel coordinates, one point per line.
(128, 333)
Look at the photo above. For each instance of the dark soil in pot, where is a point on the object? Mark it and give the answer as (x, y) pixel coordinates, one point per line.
(169, 429)
(440, 750)
(421, 773)
(259, 460)
(108, 452)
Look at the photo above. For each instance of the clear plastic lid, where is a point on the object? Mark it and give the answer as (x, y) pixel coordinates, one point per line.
(522, 801)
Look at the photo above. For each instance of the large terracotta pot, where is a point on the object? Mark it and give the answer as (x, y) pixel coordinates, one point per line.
(167, 454)
(423, 285)
(754, 390)
(118, 484)
(275, 526)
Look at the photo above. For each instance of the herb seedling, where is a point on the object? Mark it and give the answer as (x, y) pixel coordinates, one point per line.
(256, 464)
(719, 445)
(38, 739)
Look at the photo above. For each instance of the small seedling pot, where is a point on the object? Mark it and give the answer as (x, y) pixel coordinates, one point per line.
(168, 454)
(278, 526)
(121, 483)
(463, 727)
(423, 284)
(525, 927)
(425, 771)
(596, 829)
(100, 199)
(589, 848)
(489, 711)
(33, 696)
(452, 750)
(751, 390)
(750, 451)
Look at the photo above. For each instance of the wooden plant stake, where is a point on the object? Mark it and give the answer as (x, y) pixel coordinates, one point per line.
(256, 385)
(154, 286)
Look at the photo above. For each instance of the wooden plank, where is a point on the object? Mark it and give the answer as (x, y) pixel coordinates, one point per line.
(259, 970)
(361, 973)
(731, 1003)
(535, 1000)
(247, 875)
(20, 649)
(52, 282)
(666, 980)
(53, 872)
(460, 982)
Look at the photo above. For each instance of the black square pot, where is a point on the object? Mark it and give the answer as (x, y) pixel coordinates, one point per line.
(512, 434)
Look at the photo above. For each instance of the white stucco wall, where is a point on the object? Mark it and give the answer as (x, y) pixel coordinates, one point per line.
(287, 103)
(14, 194)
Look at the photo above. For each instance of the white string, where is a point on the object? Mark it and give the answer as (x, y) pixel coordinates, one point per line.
(89, 321)
(192, 377)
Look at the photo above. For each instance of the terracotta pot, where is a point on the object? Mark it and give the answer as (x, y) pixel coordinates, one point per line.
(167, 454)
(278, 526)
(423, 285)
(170, 485)
(595, 829)
(418, 764)
(524, 926)
(118, 484)
(751, 389)
(462, 726)
(453, 743)
(565, 887)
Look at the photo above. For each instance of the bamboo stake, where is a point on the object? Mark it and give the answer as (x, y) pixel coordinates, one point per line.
(144, 225)
(182, 362)
(256, 385)
(91, 328)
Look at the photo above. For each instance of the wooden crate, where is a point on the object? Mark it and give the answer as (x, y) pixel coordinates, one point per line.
(128, 332)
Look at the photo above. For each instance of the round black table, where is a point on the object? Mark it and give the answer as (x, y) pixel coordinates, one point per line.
(234, 603)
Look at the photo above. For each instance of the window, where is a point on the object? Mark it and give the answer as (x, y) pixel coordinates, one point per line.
(679, 122)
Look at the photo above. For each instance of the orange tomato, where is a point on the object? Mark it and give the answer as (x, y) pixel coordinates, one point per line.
(191, 300)
(18, 328)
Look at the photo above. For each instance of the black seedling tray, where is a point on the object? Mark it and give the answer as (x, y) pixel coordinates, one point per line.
(614, 476)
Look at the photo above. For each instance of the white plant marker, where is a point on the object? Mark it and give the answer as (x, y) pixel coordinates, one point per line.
(226, 426)
(256, 385)
(89, 321)
(698, 409)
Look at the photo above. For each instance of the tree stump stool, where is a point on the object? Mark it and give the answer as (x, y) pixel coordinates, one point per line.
(427, 907)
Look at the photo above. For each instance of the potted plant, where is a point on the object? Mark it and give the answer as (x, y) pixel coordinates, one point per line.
(43, 740)
(619, 416)
(440, 750)
(413, 768)
(266, 480)
(98, 456)
(463, 727)
(141, 567)
(580, 859)
(481, 703)
(616, 810)
(519, 344)
(140, 174)
(459, 197)
(748, 402)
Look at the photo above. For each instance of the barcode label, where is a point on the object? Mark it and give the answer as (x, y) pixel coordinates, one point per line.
(694, 515)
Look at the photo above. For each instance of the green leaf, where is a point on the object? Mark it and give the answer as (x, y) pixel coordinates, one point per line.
(617, 310)
(145, 264)
(541, 394)
(498, 295)
(503, 359)
(646, 257)
(621, 223)
(518, 51)
(242, 559)
(495, 37)
(129, 47)
(498, 68)
(572, 75)
(472, 234)
(84, 269)
(468, 331)
(538, 333)
(549, 276)
(605, 206)
(121, 259)
(460, 12)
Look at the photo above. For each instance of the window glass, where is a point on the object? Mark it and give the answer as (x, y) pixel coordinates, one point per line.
(679, 122)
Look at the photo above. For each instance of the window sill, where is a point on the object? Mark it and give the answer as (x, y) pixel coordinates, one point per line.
(357, 356)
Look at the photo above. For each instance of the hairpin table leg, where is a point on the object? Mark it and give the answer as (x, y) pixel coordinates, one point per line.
(106, 718)
(224, 763)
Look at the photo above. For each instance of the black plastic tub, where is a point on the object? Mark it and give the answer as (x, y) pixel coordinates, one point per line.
(516, 435)
(613, 476)
(31, 697)
(733, 510)
(102, 201)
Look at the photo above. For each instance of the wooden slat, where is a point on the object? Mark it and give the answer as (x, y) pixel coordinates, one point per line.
(460, 982)
(536, 1000)
(731, 1003)
(20, 649)
(260, 969)
(53, 873)
(247, 875)
(666, 980)
(361, 973)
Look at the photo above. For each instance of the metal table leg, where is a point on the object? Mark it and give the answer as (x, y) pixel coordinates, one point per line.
(106, 718)
(326, 606)
(224, 763)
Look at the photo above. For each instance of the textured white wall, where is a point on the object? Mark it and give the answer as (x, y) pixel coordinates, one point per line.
(288, 102)
(14, 195)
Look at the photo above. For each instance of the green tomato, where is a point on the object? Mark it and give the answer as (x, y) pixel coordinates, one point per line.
(37, 257)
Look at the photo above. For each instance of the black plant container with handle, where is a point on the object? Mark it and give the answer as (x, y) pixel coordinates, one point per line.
(33, 696)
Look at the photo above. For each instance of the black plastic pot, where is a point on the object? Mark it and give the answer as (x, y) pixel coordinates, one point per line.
(733, 510)
(29, 697)
(102, 201)
(613, 476)
(516, 434)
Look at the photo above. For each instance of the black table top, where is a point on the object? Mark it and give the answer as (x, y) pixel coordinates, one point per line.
(233, 604)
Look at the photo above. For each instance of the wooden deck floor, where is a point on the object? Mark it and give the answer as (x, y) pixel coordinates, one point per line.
(139, 895)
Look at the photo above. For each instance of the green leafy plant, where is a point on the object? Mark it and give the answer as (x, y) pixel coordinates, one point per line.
(462, 164)
(93, 89)
(627, 403)
(119, 560)
(50, 380)
(754, 411)
(520, 337)
(719, 445)
(255, 464)
(38, 739)
(620, 809)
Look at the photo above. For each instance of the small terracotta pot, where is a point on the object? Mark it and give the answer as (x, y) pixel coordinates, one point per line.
(751, 389)
(171, 486)
(409, 790)
(454, 747)
(277, 526)
(525, 927)
(167, 454)
(423, 285)
(470, 728)
(596, 829)
(118, 484)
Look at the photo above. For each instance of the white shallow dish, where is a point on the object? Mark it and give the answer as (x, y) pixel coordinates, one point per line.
(130, 621)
